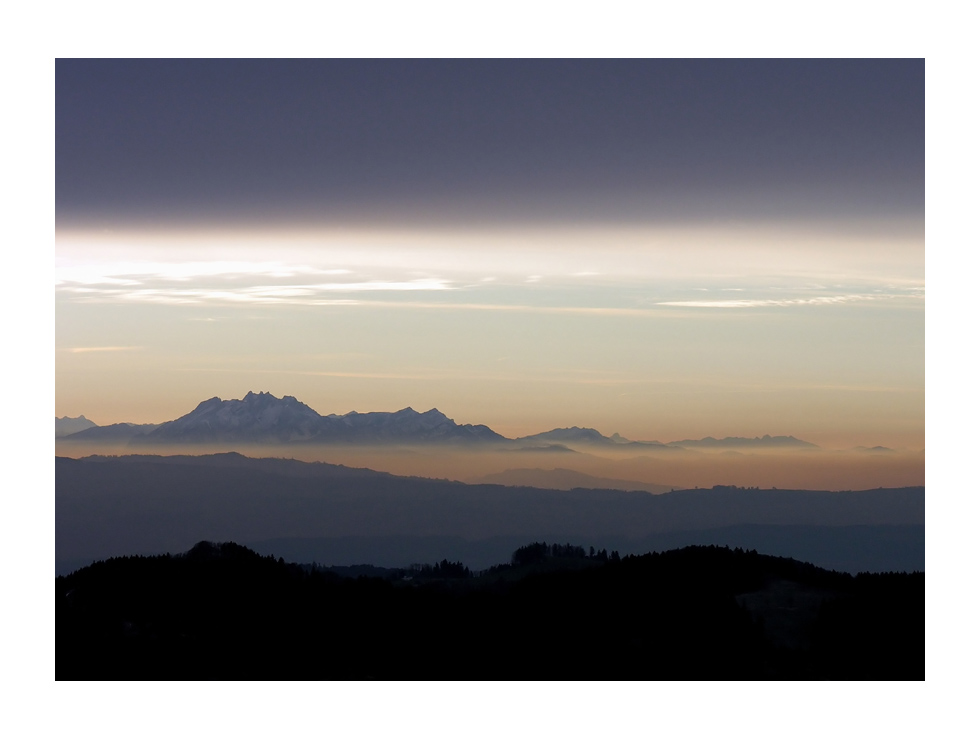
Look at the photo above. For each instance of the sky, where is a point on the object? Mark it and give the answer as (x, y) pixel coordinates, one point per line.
(704, 30)
(664, 249)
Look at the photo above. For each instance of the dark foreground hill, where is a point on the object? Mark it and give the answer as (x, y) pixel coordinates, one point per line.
(224, 612)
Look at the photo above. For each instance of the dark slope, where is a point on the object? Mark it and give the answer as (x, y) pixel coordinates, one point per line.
(223, 612)
(110, 433)
(849, 549)
(146, 504)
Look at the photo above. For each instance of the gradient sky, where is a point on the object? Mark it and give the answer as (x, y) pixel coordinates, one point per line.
(665, 249)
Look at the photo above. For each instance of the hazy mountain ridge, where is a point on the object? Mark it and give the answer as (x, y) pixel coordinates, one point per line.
(406, 425)
(146, 504)
(763, 441)
(121, 432)
(66, 425)
(261, 418)
(258, 417)
(586, 436)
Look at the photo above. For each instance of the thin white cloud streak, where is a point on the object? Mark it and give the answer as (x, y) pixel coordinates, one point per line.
(520, 308)
(137, 273)
(307, 295)
(420, 284)
(786, 302)
(75, 350)
(98, 279)
(260, 294)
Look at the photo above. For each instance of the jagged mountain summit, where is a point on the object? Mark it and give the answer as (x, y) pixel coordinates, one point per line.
(404, 426)
(66, 425)
(258, 417)
(264, 418)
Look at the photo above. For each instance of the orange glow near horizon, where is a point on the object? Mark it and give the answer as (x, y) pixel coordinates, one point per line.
(652, 331)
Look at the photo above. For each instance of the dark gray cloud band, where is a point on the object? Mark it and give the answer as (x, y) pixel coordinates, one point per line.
(671, 140)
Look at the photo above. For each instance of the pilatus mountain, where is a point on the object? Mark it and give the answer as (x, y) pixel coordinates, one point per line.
(261, 418)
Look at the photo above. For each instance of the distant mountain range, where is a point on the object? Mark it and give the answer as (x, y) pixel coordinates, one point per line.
(733, 442)
(144, 504)
(877, 450)
(66, 425)
(122, 432)
(261, 418)
(584, 436)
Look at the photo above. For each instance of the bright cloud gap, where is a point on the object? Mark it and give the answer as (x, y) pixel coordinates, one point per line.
(767, 303)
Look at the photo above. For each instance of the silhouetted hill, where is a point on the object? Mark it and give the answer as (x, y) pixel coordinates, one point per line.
(221, 611)
(849, 549)
(106, 506)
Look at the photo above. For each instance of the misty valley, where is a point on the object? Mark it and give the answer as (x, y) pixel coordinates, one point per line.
(430, 444)
(314, 569)
(330, 571)
(311, 569)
